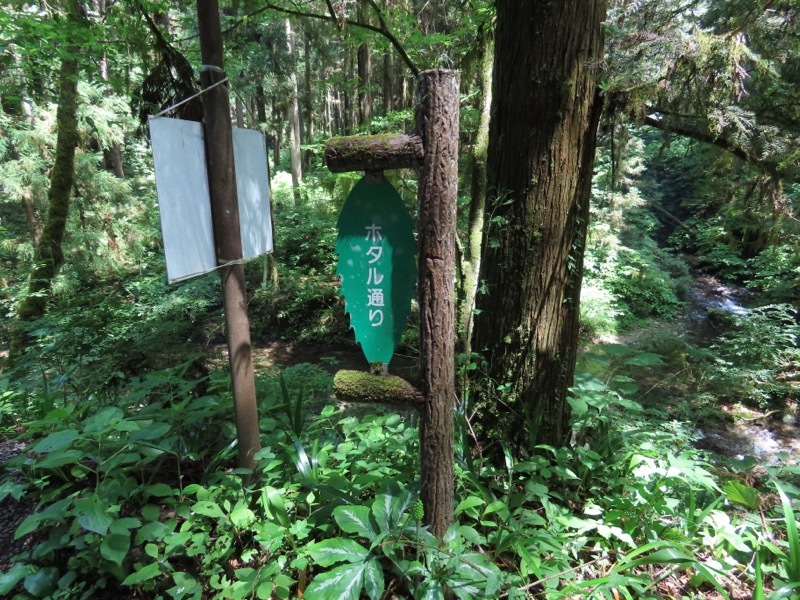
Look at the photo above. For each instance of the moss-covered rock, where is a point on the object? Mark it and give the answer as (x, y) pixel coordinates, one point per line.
(358, 386)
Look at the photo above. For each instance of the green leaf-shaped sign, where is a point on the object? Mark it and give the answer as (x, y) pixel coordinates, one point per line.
(377, 264)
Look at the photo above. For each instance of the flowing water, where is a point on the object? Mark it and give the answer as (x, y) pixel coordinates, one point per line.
(772, 438)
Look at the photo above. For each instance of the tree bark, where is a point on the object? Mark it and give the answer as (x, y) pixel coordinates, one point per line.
(388, 82)
(239, 109)
(364, 72)
(294, 117)
(277, 118)
(541, 150)
(373, 153)
(438, 191)
(261, 109)
(471, 262)
(112, 156)
(30, 217)
(308, 94)
(49, 254)
(227, 240)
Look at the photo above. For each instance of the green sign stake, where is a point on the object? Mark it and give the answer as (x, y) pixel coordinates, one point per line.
(377, 265)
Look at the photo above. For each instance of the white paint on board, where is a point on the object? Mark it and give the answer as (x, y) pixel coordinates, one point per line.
(252, 187)
(184, 200)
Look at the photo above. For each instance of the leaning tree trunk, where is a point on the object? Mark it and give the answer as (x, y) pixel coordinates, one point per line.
(541, 150)
(49, 255)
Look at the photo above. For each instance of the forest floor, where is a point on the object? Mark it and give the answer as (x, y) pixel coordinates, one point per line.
(760, 434)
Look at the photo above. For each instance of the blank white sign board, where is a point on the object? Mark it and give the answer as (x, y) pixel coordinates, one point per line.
(252, 187)
(185, 203)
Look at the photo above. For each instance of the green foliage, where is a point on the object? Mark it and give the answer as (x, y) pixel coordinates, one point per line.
(628, 277)
(776, 272)
(138, 492)
(754, 355)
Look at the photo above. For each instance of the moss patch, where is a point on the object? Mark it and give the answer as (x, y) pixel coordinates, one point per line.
(358, 386)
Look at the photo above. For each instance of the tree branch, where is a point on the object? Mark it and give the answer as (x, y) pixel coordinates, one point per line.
(382, 30)
(700, 135)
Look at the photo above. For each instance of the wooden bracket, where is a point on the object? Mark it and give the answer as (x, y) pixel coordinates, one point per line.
(373, 152)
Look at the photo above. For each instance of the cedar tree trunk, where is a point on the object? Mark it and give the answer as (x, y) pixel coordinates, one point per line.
(294, 116)
(541, 150)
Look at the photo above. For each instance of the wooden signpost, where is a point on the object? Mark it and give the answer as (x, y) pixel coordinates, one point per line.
(433, 150)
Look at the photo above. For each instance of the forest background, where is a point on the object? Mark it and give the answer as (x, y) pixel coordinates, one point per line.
(124, 480)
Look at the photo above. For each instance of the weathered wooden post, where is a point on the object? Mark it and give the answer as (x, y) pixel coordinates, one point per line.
(227, 237)
(433, 150)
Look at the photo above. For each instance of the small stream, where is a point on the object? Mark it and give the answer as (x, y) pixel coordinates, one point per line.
(770, 439)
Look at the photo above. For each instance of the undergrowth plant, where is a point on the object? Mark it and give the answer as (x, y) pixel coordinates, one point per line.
(140, 494)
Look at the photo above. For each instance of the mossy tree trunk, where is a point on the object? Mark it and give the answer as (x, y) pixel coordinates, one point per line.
(542, 140)
(49, 254)
(471, 256)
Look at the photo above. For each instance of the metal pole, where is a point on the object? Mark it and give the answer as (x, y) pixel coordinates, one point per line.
(225, 214)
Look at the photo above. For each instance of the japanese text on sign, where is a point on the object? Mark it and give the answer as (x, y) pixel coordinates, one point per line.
(374, 277)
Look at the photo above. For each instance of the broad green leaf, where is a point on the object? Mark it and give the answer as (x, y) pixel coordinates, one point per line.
(59, 459)
(143, 574)
(468, 503)
(103, 420)
(616, 349)
(793, 564)
(160, 490)
(185, 585)
(645, 359)
(93, 514)
(579, 406)
(474, 577)
(276, 506)
(208, 509)
(740, 493)
(152, 531)
(431, 590)
(334, 550)
(115, 547)
(42, 583)
(56, 441)
(10, 579)
(29, 524)
(355, 519)
(788, 590)
(151, 512)
(124, 524)
(499, 507)
(382, 511)
(125, 426)
(342, 583)
(242, 516)
(151, 431)
(373, 579)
